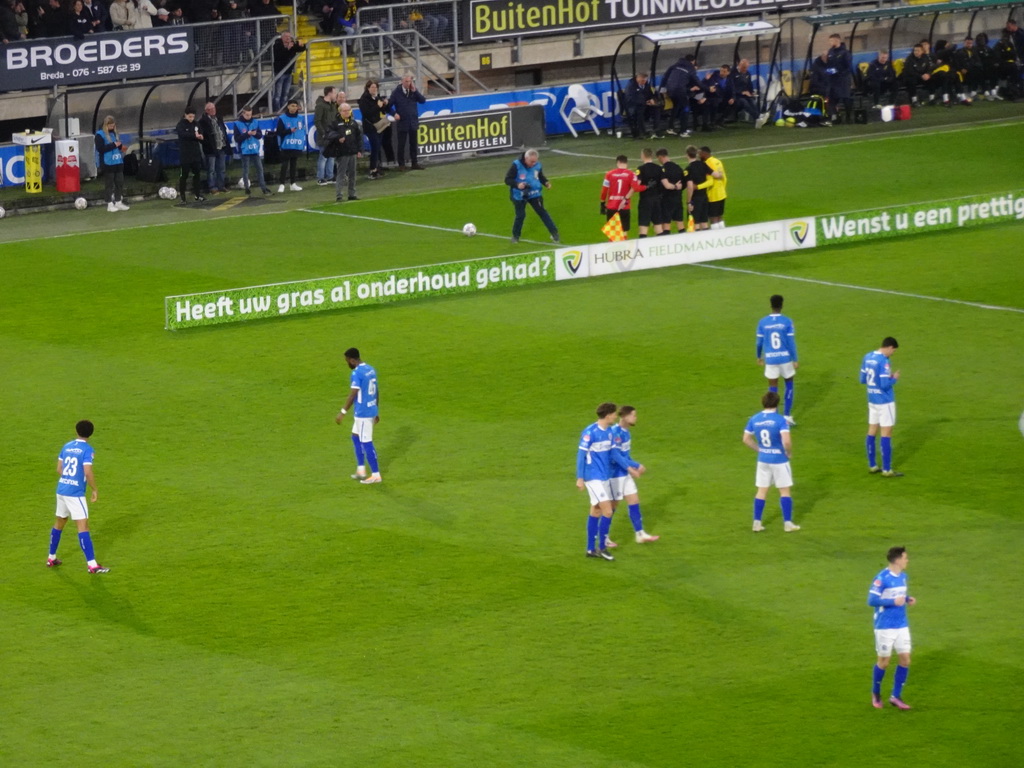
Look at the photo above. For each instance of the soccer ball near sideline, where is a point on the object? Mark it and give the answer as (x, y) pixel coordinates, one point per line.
(469, 229)
(81, 203)
(172, 193)
(3, 211)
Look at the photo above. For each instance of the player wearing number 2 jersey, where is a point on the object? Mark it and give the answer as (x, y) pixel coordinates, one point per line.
(364, 394)
(767, 433)
(776, 351)
(74, 465)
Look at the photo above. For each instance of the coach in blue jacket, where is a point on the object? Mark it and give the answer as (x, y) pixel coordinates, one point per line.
(405, 101)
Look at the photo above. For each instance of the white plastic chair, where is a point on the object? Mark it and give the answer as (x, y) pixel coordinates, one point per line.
(585, 108)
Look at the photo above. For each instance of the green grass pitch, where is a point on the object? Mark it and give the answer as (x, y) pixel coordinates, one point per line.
(263, 609)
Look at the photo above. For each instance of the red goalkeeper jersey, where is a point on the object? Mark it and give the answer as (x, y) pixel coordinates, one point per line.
(617, 184)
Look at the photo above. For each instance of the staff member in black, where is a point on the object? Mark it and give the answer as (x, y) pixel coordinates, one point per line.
(190, 146)
(698, 179)
(649, 208)
(672, 185)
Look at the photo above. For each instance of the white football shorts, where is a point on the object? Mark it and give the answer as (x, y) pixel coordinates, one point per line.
(779, 475)
(889, 640)
(363, 429)
(884, 415)
(622, 487)
(782, 371)
(599, 490)
(73, 507)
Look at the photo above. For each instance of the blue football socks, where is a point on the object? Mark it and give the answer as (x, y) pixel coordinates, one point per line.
(85, 541)
(634, 517)
(774, 389)
(870, 444)
(787, 508)
(592, 526)
(604, 525)
(886, 454)
(357, 443)
(371, 457)
(790, 385)
(898, 680)
(54, 541)
(878, 674)
(758, 508)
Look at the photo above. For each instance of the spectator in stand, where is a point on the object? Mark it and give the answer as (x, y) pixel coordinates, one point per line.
(679, 82)
(22, 17)
(743, 92)
(100, 15)
(162, 18)
(190, 145)
(325, 114)
(178, 17)
(423, 19)
(52, 19)
(405, 101)
(969, 68)
(840, 72)
(286, 48)
(291, 137)
(145, 12)
(917, 75)
(373, 107)
(122, 14)
(640, 104)
(80, 20)
(111, 151)
(9, 22)
(340, 16)
(237, 39)
(216, 147)
(247, 139)
(267, 27)
(881, 81)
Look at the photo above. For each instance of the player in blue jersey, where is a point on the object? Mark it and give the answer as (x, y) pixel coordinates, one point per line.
(767, 433)
(74, 465)
(593, 472)
(364, 394)
(881, 382)
(888, 596)
(622, 483)
(776, 351)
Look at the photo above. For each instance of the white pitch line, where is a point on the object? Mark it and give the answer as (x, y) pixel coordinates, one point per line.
(412, 224)
(905, 294)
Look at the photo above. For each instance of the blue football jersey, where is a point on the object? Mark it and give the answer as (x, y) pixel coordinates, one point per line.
(886, 587)
(876, 374)
(594, 457)
(621, 447)
(776, 340)
(364, 378)
(767, 428)
(74, 456)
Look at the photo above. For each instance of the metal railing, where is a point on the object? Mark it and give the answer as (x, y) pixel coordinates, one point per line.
(235, 43)
(437, 22)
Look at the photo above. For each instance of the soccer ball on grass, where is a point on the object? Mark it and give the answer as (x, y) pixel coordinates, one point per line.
(469, 229)
(81, 203)
(3, 211)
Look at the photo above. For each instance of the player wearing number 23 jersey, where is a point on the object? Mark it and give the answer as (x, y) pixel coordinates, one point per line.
(74, 465)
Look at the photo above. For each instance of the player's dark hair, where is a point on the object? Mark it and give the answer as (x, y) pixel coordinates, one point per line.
(84, 428)
(662, 153)
(604, 409)
(352, 354)
(770, 400)
(895, 553)
(621, 159)
(776, 301)
(889, 341)
(706, 149)
(834, 34)
(626, 410)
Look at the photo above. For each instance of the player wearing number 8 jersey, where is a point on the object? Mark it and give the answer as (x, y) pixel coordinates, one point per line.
(776, 351)
(767, 433)
(74, 465)
(364, 394)
(880, 380)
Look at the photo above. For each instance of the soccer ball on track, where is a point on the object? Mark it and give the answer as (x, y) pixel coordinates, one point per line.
(3, 211)
(469, 229)
(81, 203)
(167, 193)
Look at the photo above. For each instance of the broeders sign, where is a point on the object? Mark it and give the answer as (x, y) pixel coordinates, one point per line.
(490, 19)
(110, 56)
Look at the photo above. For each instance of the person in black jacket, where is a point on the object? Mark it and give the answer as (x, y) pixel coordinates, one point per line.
(81, 21)
(881, 81)
(640, 103)
(373, 107)
(917, 74)
(216, 148)
(344, 142)
(969, 70)
(840, 72)
(190, 145)
(405, 101)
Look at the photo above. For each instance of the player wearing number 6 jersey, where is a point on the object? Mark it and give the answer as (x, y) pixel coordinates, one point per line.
(74, 465)
(776, 351)
(366, 397)
(881, 381)
(767, 433)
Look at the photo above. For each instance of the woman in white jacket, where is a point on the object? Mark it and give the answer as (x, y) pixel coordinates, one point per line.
(145, 10)
(122, 14)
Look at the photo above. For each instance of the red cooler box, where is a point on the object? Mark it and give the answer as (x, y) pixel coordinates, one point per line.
(68, 178)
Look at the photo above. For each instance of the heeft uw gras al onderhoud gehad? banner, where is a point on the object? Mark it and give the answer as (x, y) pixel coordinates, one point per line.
(585, 261)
